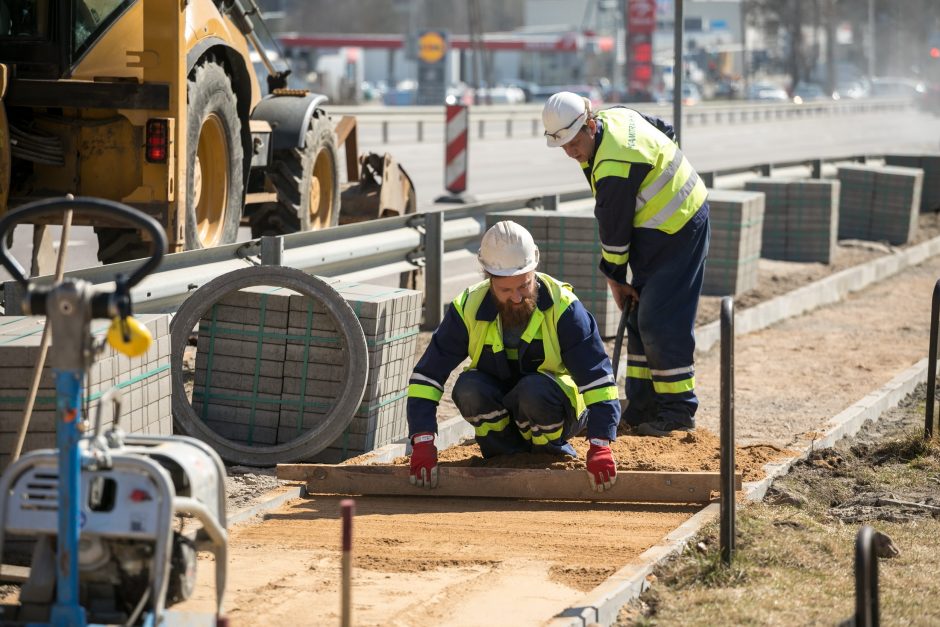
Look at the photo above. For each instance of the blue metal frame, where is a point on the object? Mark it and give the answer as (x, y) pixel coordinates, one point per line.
(68, 385)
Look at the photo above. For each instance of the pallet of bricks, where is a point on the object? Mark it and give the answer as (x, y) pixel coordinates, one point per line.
(144, 383)
(801, 218)
(930, 164)
(734, 250)
(879, 203)
(569, 250)
(269, 366)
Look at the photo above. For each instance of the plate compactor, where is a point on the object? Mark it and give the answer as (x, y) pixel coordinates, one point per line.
(116, 519)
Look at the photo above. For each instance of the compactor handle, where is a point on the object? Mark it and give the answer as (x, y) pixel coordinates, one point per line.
(90, 206)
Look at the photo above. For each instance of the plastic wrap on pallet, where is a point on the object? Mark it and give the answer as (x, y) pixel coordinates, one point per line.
(144, 383)
(735, 246)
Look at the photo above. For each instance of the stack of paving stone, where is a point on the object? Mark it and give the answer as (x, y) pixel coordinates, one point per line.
(930, 164)
(240, 361)
(144, 382)
(801, 218)
(570, 250)
(273, 365)
(879, 203)
(735, 248)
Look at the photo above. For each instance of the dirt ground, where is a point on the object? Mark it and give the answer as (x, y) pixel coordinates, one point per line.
(420, 560)
(794, 554)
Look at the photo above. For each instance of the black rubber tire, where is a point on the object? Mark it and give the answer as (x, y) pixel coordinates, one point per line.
(210, 97)
(357, 366)
(292, 173)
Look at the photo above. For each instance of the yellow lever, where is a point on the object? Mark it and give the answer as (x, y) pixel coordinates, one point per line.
(139, 337)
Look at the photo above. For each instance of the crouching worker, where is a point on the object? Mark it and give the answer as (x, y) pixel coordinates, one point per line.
(538, 371)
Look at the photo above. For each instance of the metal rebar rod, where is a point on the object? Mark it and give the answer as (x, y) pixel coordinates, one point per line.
(932, 360)
(727, 430)
(348, 507)
(866, 579)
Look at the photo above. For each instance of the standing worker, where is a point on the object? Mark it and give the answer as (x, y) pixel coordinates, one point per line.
(652, 213)
(538, 371)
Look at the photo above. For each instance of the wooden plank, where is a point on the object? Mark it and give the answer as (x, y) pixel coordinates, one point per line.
(510, 483)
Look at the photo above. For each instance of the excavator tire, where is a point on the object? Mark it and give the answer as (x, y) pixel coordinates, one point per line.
(215, 186)
(307, 184)
(215, 189)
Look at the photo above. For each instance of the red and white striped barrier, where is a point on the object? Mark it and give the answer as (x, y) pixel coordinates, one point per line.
(455, 155)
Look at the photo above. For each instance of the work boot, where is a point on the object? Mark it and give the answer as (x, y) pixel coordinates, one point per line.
(661, 428)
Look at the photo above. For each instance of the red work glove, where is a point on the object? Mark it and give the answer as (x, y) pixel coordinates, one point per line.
(602, 471)
(423, 460)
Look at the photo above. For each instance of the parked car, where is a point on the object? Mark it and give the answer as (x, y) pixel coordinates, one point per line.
(500, 95)
(852, 89)
(767, 92)
(591, 93)
(894, 87)
(691, 95)
(809, 92)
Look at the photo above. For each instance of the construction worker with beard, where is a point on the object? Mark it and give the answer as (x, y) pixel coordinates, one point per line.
(538, 372)
(652, 213)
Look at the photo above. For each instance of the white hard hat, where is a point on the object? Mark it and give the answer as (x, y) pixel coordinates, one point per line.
(508, 249)
(563, 116)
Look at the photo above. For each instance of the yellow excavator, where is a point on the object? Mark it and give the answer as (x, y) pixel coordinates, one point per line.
(156, 103)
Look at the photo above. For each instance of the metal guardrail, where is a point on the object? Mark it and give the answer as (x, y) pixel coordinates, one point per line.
(527, 118)
(373, 249)
(377, 248)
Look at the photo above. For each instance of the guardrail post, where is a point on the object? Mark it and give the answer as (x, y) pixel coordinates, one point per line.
(420, 130)
(508, 127)
(866, 579)
(932, 361)
(708, 178)
(816, 165)
(535, 128)
(433, 269)
(481, 130)
(726, 532)
(384, 131)
(272, 250)
(766, 169)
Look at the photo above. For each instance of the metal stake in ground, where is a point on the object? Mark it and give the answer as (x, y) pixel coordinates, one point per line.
(932, 361)
(727, 430)
(348, 507)
(866, 579)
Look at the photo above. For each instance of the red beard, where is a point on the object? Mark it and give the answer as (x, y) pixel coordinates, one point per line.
(516, 316)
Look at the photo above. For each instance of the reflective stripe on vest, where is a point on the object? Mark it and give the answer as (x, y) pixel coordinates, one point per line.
(671, 193)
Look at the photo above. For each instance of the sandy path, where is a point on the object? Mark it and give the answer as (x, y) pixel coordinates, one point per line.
(431, 561)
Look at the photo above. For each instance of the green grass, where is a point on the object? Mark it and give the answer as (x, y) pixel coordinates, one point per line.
(794, 564)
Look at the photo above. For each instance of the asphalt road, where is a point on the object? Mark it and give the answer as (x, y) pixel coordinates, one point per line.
(524, 165)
